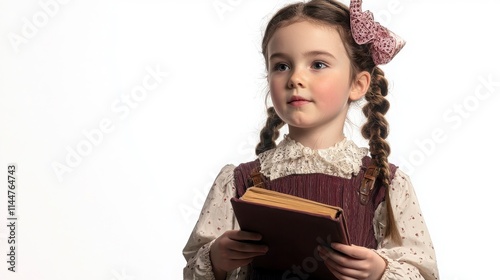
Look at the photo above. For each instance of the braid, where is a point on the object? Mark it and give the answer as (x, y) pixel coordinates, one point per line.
(270, 132)
(376, 130)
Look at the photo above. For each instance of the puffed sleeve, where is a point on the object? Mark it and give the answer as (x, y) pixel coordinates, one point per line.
(215, 218)
(415, 258)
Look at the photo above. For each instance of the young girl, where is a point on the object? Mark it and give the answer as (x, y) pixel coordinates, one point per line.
(321, 56)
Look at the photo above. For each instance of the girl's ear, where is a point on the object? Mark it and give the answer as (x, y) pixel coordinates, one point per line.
(360, 85)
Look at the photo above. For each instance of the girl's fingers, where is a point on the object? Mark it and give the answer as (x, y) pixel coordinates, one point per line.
(244, 235)
(239, 255)
(340, 274)
(352, 251)
(238, 243)
(353, 262)
(248, 247)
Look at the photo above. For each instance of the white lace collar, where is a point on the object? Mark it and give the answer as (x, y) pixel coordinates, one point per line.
(291, 157)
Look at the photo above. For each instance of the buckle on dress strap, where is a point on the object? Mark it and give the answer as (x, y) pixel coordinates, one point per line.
(368, 183)
(257, 178)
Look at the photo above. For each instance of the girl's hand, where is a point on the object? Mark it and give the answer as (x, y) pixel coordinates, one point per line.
(353, 262)
(230, 251)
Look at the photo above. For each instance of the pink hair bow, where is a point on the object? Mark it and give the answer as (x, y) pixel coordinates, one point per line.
(385, 44)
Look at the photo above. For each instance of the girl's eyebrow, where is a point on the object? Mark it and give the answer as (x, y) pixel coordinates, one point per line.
(316, 53)
(309, 53)
(278, 55)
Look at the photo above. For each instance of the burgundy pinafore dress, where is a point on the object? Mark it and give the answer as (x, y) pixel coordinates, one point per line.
(326, 189)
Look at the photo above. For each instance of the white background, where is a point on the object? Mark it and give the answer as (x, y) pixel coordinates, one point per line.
(125, 208)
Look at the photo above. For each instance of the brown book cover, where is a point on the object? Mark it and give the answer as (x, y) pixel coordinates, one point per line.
(292, 235)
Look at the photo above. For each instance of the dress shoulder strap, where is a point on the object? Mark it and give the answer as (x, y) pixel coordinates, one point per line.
(370, 174)
(245, 174)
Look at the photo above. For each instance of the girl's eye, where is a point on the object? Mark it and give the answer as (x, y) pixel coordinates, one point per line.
(319, 65)
(281, 67)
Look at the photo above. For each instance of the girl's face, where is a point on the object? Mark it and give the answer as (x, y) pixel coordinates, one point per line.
(309, 79)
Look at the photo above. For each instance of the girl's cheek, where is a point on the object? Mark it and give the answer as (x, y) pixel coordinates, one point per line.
(275, 86)
(324, 92)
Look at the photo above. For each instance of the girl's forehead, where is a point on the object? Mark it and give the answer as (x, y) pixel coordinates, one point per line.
(305, 35)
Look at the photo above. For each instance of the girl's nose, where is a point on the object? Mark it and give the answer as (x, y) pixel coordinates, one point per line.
(296, 80)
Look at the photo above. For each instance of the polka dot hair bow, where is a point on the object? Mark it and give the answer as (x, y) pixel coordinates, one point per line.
(385, 44)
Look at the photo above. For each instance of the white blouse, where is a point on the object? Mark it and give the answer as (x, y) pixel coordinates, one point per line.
(414, 259)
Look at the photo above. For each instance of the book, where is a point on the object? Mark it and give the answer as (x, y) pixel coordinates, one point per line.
(292, 228)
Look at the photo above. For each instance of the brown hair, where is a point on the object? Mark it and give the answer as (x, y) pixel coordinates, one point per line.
(376, 128)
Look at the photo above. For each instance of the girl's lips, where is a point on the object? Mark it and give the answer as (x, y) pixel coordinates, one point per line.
(297, 101)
